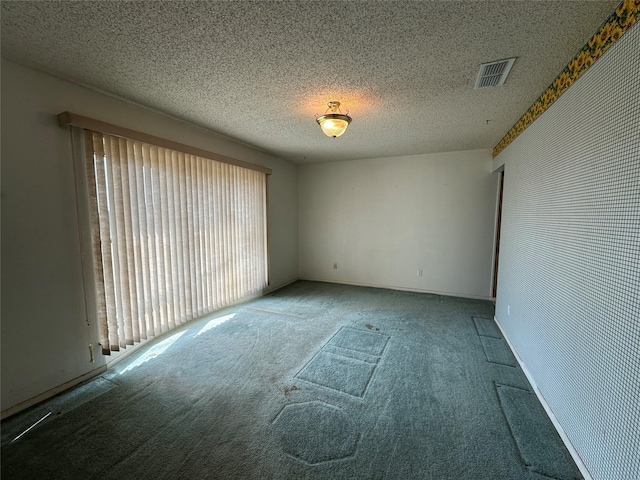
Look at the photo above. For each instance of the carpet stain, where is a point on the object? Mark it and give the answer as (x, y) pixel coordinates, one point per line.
(288, 390)
(371, 327)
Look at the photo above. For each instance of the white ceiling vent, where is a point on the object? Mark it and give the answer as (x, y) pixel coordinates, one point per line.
(493, 74)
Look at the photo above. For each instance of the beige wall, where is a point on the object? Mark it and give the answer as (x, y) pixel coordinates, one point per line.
(383, 219)
(44, 333)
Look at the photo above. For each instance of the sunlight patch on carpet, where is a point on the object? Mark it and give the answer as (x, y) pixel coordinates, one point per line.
(154, 351)
(214, 323)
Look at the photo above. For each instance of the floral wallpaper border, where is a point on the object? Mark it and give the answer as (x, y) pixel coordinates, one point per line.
(624, 16)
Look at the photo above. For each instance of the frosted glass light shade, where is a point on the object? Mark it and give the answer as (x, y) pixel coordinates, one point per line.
(334, 124)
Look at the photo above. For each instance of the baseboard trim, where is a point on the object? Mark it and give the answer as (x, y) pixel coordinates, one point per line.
(404, 289)
(116, 357)
(563, 436)
(52, 392)
(270, 289)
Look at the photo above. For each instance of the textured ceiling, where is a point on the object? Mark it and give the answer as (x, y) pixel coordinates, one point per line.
(259, 71)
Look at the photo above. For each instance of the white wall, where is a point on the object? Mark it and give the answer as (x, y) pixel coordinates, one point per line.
(569, 277)
(383, 219)
(44, 332)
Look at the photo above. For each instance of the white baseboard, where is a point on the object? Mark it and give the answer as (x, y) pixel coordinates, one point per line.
(50, 393)
(271, 288)
(404, 289)
(116, 357)
(563, 436)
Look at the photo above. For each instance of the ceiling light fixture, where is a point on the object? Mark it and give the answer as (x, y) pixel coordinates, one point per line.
(334, 124)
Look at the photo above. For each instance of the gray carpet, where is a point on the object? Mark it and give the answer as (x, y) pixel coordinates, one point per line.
(534, 436)
(317, 381)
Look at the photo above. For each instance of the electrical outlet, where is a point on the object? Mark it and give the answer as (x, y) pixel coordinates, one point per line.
(335, 266)
(509, 310)
(419, 272)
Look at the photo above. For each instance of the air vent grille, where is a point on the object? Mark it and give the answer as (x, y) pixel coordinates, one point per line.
(493, 74)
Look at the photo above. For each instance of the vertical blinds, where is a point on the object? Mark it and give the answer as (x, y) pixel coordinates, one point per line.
(175, 236)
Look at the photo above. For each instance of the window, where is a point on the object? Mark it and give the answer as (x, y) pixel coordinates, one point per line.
(175, 236)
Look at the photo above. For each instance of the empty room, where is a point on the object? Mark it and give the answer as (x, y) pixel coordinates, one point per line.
(320, 239)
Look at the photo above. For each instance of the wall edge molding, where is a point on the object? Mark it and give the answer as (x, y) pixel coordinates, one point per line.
(547, 408)
(402, 289)
(12, 410)
(623, 17)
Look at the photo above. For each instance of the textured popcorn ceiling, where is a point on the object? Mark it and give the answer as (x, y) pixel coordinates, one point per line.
(260, 71)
